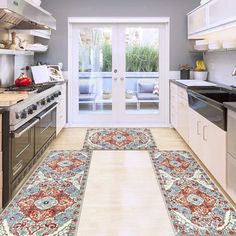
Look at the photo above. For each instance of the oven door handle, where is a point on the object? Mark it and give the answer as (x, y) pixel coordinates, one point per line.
(29, 126)
(47, 111)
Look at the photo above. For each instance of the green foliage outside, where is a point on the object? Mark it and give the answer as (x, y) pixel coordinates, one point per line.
(138, 58)
(107, 57)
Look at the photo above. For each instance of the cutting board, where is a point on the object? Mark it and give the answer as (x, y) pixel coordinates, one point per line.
(11, 99)
(40, 74)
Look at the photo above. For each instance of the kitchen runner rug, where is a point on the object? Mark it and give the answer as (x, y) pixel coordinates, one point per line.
(50, 201)
(195, 204)
(119, 139)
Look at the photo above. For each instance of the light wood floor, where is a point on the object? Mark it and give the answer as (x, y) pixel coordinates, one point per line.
(122, 196)
(115, 206)
(73, 138)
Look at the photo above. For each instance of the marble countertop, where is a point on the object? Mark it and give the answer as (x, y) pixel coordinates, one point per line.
(192, 83)
(230, 105)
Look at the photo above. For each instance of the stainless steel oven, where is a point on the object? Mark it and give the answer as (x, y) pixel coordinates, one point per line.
(45, 128)
(22, 146)
(27, 145)
(30, 128)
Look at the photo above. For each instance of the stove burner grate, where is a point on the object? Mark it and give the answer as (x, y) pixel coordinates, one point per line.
(31, 88)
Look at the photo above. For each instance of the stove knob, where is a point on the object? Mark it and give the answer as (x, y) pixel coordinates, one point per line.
(59, 93)
(23, 115)
(52, 97)
(48, 99)
(55, 95)
(35, 107)
(17, 115)
(43, 102)
(30, 111)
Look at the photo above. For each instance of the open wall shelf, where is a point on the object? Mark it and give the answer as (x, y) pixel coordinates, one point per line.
(16, 52)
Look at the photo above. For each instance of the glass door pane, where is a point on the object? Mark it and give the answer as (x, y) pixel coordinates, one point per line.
(95, 66)
(142, 70)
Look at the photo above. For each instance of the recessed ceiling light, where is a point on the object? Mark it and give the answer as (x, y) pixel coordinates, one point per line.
(7, 11)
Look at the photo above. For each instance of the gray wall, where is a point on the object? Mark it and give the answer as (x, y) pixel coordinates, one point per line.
(175, 9)
(220, 66)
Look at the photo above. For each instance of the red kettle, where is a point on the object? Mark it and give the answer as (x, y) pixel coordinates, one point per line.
(23, 80)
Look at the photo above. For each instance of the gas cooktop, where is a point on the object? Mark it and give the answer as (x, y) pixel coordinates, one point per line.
(37, 88)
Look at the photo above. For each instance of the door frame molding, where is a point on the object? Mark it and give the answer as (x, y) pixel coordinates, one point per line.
(112, 20)
(89, 20)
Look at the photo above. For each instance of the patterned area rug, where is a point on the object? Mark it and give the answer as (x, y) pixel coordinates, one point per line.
(195, 204)
(119, 139)
(50, 201)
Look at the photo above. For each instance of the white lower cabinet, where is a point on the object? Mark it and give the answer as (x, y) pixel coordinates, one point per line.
(231, 176)
(209, 143)
(179, 110)
(183, 125)
(231, 156)
(206, 139)
(1, 170)
(61, 110)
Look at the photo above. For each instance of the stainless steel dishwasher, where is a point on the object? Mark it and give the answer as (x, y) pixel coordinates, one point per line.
(231, 155)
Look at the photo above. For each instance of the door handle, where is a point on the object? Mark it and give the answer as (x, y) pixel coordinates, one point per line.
(204, 133)
(48, 110)
(28, 126)
(198, 130)
(122, 78)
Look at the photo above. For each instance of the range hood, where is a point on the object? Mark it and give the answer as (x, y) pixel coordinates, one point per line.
(20, 14)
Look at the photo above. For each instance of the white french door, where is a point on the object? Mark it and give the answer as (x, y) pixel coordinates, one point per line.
(118, 72)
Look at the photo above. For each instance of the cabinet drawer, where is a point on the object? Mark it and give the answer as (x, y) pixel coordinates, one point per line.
(231, 133)
(1, 180)
(0, 161)
(173, 87)
(1, 193)
(0, 124)
(1, 142)
(231, 176)
(182, 93)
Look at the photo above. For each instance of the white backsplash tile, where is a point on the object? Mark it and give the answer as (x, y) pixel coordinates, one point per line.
(220, 66)
(7, 70)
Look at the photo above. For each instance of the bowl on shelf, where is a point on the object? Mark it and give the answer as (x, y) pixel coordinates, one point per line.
(229, 44)
(129, 94)
(214, 45)
(201, 47)
(106, 94)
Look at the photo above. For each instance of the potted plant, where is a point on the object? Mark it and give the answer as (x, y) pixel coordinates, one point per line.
(185, 71)
(200, 71)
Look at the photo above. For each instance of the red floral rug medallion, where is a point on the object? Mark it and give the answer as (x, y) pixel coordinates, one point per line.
(50, 201)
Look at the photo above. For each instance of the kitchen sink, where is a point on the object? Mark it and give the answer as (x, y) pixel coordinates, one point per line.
(220, 97)
(208, 101)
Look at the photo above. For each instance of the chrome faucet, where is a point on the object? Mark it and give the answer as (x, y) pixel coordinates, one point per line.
(234, 71)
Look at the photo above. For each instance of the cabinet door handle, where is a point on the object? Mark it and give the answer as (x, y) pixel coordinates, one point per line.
(198, 129)
(204, 133)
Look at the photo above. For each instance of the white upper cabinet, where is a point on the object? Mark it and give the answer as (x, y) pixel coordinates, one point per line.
(221, 11)
(197, 21)
(214, 16)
